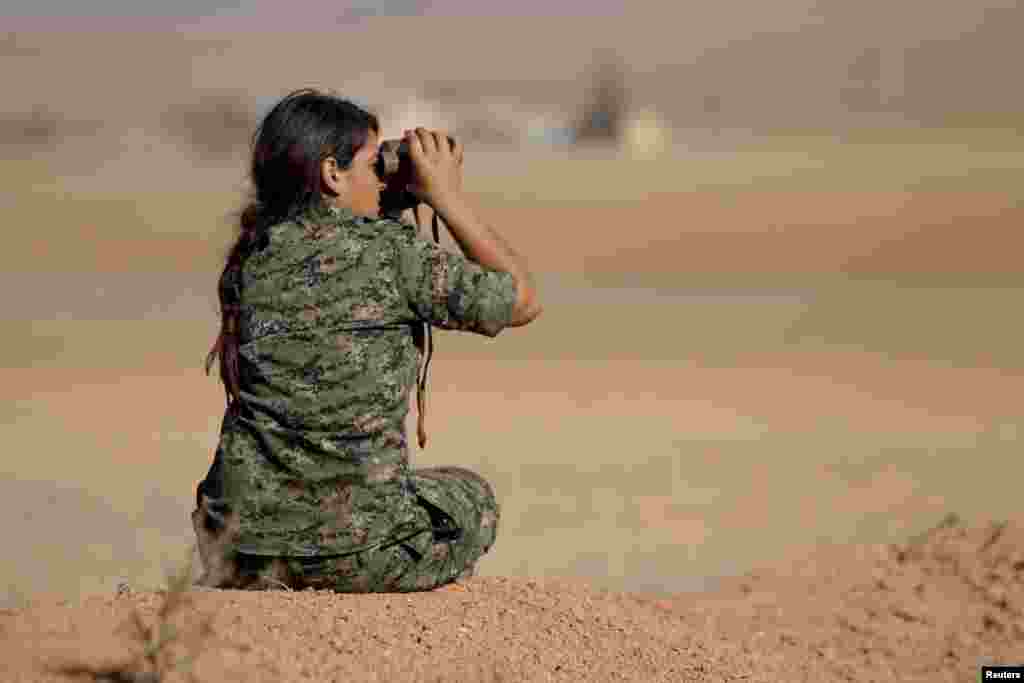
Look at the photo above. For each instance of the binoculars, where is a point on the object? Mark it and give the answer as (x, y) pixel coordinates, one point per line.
(394, 168)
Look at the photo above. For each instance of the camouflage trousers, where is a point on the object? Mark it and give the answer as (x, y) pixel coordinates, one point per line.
(463, 512)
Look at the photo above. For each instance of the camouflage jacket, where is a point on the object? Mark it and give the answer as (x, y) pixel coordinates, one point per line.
(316, 460)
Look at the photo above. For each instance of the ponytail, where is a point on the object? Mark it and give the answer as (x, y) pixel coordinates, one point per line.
(253, 234)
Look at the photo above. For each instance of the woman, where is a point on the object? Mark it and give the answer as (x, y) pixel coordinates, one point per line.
(323, 305)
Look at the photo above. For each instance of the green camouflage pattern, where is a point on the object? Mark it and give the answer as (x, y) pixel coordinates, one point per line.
(412, 562)
(314, 467)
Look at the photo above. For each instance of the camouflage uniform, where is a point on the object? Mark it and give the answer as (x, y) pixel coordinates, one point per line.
(310, 484)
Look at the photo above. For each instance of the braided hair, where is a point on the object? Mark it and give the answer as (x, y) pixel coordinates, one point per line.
(288, 147)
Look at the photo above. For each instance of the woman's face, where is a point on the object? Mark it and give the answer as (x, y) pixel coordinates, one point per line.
(360, 190)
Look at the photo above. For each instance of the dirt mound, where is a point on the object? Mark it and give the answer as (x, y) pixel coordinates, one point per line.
(948, 601)
(933, 609)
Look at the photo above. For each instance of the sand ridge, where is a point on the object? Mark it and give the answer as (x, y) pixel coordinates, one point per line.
(934, 608)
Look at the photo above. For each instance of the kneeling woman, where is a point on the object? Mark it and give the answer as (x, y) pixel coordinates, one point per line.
(324, 308)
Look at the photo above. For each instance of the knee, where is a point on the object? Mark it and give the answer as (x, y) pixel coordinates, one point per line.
(483, 489)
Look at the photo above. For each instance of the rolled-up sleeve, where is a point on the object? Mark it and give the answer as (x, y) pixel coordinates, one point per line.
(450, 291)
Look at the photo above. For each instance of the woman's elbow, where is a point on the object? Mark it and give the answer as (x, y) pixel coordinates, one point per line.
(526, 310)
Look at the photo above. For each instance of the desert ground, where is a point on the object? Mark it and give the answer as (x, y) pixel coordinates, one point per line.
(934, 608)
(766, 368)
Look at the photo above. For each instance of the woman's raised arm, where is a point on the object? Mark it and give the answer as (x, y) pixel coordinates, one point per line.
(438, 182)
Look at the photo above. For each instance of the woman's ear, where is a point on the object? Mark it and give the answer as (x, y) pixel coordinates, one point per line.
(333, 178)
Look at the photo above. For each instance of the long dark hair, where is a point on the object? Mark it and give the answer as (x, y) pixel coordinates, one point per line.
(289, 145)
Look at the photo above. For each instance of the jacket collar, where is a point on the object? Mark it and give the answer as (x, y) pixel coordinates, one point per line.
(321, 211)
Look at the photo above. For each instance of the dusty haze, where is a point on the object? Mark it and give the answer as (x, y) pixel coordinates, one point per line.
(793, 322)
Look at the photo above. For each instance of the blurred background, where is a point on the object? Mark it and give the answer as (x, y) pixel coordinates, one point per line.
(778, 243)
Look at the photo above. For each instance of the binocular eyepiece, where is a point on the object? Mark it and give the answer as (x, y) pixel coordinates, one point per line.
(394, 168)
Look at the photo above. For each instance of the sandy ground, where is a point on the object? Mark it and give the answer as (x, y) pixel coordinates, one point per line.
(936, 608)
(808, 431)
(796, 379)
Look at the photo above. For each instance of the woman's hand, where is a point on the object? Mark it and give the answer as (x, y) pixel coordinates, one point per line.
(437, 166)
(437, 180)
